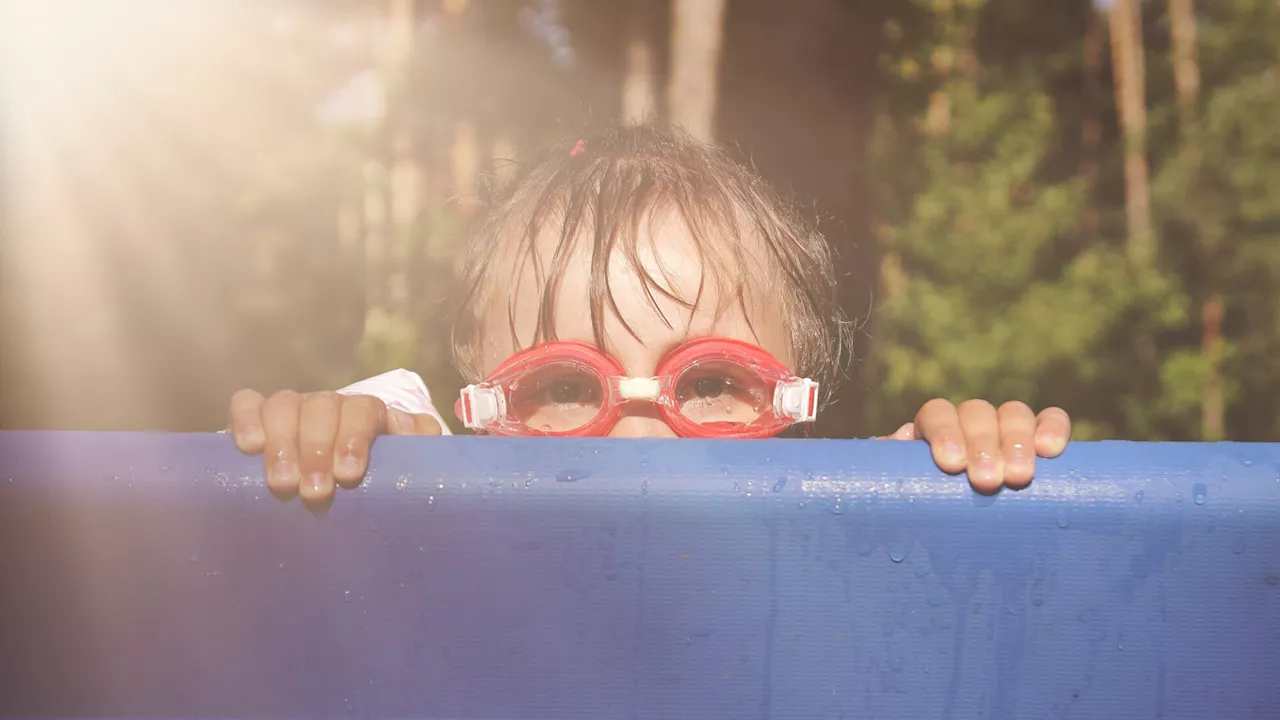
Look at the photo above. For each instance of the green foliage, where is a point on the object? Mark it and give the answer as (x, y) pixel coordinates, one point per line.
(1217, 194)
(991, 287)
(985, 295)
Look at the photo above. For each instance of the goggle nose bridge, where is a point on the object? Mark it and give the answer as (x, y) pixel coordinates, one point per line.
(639, 388)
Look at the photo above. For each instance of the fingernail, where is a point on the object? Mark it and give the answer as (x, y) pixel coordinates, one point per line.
(953, 451)
(283, 472)
(316, 482)
(1051, 443)
(350, 466)
(251, 436)
(985, 469)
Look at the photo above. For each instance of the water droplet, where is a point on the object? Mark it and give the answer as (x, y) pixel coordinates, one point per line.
(193, 557)
(346, 703)
(782, 482)
(800, 505)
(899, 552)
(346, 596)
(926, 668)
(439, 486)
(1237, 547)
(836, 509)
(644, 488)
(1138, 497)
(1179, 498)
(1062, 518)
(569, 476)
(1199, 491)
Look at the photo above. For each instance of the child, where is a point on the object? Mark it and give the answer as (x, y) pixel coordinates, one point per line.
(634, 283)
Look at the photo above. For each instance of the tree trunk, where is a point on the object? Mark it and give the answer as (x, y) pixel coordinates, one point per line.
(1091, 122)
(464, 155)
(1186, 68)
(640, 86)
(697, 33)
(1130, 90)
(1186, 83)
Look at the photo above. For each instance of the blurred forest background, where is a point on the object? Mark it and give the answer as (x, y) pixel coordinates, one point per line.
(1073, 202)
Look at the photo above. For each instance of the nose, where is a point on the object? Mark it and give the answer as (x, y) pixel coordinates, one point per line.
(640, 421)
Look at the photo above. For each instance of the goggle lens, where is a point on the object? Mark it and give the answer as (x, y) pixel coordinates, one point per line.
(558, 397)
(722, 392)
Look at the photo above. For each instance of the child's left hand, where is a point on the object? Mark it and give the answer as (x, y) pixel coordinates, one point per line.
(995, 447)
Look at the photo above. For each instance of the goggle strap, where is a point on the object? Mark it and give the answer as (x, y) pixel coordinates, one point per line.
(482, 406)
(796, 400)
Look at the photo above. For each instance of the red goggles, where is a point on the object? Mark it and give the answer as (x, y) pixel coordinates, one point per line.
(708, 388)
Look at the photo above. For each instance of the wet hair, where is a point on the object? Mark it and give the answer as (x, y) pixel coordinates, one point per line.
(596, 189)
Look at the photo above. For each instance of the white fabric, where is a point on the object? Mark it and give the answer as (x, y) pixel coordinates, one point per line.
(399, 389)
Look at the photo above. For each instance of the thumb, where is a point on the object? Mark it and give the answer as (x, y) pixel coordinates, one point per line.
(906, 432)
(400, 422)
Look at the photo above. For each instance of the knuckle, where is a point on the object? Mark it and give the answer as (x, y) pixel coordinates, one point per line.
(365, 404)
(1055, 413)
(976, 404)
(284, 398)
(245, 396)
(936, 404)
(1016, 406)
(321, 399)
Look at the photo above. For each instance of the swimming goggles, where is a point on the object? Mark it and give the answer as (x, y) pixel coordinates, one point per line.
(706, 388)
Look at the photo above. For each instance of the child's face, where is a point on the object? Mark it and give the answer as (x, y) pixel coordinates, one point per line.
(669, 253)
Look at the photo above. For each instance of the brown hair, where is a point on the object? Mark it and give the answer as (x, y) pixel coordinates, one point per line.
(598, 188)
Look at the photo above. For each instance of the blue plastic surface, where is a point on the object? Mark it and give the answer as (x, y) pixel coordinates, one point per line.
(154, 576)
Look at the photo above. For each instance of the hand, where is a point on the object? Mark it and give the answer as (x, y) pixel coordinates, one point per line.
(312, 442)
(995, 447)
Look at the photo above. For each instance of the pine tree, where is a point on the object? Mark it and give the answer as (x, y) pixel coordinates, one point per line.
(987, 290)
(1218, 195)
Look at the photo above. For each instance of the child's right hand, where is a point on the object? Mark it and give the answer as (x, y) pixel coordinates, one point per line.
(311, 443)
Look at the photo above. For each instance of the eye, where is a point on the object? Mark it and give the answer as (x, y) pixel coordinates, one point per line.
(721, 391)
(709, 387)
(556, 397)
(566, 391)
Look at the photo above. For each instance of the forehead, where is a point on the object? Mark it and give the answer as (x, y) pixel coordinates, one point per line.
(656, 286)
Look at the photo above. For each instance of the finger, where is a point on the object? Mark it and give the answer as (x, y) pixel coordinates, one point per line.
(938, 423)
(361, 420)
(400, 422)
(246, 421)
(981, 428)
(280, 432)
(317, 428)
(1053, 432)
(906, 432)
(1017, 443)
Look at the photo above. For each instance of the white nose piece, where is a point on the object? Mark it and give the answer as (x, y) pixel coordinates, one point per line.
(640, 388)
